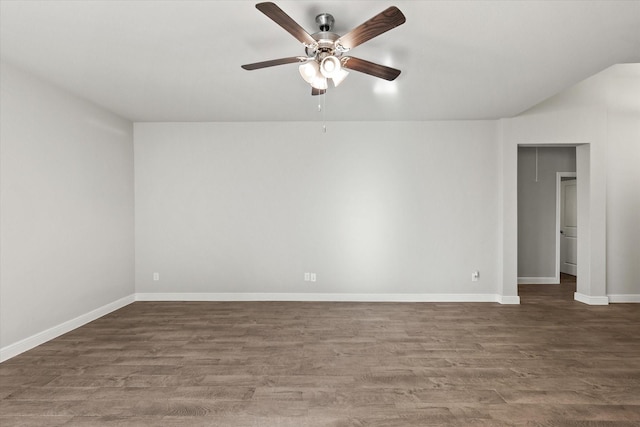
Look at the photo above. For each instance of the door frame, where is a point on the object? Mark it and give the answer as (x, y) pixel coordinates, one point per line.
(559, 176)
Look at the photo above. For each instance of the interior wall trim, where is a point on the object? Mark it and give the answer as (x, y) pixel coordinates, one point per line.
(508, 299)
(28, 343)
(316, 297)
(39, 338)
(587, 299)
(624, 298)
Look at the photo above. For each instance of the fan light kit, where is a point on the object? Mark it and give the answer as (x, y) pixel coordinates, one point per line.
(324, 58)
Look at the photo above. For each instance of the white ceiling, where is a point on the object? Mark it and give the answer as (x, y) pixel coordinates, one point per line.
(180, 60)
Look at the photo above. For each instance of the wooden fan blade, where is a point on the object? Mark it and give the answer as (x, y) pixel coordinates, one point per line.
(381, 23)
(371, 68)
(274, 62)
(285, 21)
(315, 91)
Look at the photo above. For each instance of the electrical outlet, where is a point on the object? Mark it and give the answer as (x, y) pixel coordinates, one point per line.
(307, 277)
(475, 276)
(313, 277)
(156, 277)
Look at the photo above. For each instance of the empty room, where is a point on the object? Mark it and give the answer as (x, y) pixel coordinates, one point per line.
(319, 213)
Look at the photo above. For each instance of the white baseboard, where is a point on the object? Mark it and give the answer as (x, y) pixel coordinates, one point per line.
(624, 298)
(587, 299)
(28, 343)
(538, 280)
(506, 299)
(15, 349)
(322, 297)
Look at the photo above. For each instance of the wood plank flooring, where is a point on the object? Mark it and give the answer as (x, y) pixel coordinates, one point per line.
(548, 362)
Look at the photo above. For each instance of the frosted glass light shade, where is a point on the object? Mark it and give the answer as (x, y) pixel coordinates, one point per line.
(310, 71)
(339, 77)
(330, 66)
(317, 74)
(319, 83)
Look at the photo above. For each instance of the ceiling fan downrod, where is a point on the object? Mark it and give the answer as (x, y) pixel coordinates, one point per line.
(325, 21)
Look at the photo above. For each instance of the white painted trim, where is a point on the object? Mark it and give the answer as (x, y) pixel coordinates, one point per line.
(28, 343)
(538, 280)
(587, 299)
(559, 176)
(318, 297)
(622, 298)
(505, 299)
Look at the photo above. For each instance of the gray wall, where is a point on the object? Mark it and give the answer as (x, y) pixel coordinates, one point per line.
(623, 183)
(66, 217)
(387, 207)
(537, 208)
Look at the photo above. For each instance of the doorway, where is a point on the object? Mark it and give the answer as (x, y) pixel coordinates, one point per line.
(591, 283)
(541, 171)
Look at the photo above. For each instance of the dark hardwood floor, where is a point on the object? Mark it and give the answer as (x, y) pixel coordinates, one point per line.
(550, 361)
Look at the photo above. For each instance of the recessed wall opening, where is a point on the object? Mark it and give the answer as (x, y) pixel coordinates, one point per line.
(547, 216)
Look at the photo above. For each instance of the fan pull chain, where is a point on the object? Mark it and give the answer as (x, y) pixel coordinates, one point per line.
(323, 108)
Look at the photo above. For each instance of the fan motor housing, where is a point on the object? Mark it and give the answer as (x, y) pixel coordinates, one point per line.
(326, 39)
(326, 45)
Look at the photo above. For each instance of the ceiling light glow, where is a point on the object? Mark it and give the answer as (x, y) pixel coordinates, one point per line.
(330, 66)
(309, 71)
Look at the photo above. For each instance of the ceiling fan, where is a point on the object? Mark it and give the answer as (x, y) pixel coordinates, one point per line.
(324, 59)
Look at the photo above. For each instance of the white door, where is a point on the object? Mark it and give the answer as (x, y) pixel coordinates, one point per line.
(568, 227)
